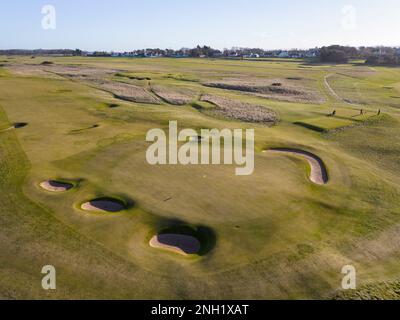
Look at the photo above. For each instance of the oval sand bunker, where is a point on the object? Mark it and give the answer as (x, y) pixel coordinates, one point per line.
(55, 186)
(19, 125)
(103, 205)
(179, 243)
(318, 174)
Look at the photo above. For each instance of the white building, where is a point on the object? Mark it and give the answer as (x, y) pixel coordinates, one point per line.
(312, 53)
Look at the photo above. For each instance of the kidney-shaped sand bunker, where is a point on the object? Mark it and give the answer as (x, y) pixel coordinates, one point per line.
(56, 186)
(318, 172)
(179, 243)
(19, 125)
(185, 239)
(104, 205)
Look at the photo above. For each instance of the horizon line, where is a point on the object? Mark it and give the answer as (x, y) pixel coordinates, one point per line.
(231, 48)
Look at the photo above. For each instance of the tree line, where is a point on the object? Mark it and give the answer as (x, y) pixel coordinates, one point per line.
(371, 55)
(328, 54)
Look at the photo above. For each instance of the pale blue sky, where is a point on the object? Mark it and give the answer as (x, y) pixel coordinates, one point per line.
(131, 24)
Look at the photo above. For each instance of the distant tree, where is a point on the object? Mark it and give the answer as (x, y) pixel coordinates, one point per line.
(387, 59)
(334, 54)
(204, 51)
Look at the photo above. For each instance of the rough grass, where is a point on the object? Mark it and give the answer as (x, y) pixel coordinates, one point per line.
(246, 112)
(387, 290)
(174, 95)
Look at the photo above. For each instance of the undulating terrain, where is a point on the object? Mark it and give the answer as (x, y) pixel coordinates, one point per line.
(328, 195)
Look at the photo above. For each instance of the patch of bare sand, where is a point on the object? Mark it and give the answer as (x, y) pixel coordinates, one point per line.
(318, 173)
(55, 186)
(240, 111)
(103, 205)
(182, 244)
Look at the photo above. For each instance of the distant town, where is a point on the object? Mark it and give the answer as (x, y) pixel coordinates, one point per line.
(335, 53)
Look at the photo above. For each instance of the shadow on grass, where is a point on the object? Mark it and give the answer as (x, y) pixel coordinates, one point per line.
(310, 126)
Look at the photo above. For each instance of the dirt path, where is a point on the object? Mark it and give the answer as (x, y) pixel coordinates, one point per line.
(7, 129)
(328, 86)
(318, 174)
(333, 92)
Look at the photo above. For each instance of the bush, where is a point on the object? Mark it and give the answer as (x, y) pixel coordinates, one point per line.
(334, 54)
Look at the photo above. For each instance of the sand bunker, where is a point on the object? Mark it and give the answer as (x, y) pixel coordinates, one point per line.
(56, 186)
(318, 174)
(103, 205)
(19, 125)
(182, 244)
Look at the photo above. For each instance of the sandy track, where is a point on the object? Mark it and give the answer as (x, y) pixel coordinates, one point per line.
(328, 86)
(178, 243)
(318, 174)
(333, 92)
(7, 129)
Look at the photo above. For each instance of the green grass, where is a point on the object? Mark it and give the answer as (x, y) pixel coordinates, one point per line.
(323, 124)
(276, 234)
